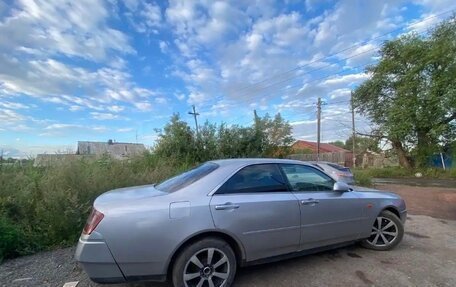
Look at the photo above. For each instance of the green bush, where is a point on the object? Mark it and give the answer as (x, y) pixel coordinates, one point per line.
(11, 239)
(362, 178)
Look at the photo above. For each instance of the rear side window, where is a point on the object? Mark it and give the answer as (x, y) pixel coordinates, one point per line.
(255, 178)
(306, 178)
(184, 179)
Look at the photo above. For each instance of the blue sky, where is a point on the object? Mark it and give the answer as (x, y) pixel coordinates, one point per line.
(99, 70)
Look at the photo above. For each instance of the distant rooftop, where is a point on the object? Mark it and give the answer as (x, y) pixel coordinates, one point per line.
(115, 149)
(324, 147)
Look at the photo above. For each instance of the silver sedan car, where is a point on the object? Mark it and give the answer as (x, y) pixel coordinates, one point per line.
(338, 172)
(197, 228)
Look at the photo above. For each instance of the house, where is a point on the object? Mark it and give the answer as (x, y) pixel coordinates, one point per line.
(115, 149)
(301, 145)
(88, 149)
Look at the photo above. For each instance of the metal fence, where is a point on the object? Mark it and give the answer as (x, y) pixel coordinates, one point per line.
(342, 158)
(346, 159)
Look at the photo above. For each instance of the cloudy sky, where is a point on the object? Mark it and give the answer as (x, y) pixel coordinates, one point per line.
(99, 70)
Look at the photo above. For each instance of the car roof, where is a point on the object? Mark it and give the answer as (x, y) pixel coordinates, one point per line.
(246, 161)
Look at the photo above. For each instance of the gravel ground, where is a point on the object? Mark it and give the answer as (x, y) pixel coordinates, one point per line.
(426, 257)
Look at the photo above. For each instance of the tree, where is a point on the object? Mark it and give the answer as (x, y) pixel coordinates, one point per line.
(411, 94)
(177, 140)
(362, 144)
(340, 144)
(266, 137)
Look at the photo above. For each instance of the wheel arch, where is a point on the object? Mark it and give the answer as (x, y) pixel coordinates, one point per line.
(234, 243)
(393, 209)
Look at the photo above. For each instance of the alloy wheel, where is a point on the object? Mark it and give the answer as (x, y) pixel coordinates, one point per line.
(384, 232)
(208, 267)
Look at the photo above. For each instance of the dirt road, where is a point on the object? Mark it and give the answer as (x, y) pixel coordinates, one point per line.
(439, 202)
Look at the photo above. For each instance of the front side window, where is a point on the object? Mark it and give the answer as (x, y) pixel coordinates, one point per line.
(255, 178)
(184, 179)
(306, 178)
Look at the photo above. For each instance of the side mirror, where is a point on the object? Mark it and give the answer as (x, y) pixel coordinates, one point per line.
(341, 186)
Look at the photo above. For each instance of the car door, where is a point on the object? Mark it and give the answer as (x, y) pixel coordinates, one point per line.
(327, 216)
(256, 206)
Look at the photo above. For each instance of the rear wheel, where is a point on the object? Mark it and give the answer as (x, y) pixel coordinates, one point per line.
(387, 232)
(209, 262)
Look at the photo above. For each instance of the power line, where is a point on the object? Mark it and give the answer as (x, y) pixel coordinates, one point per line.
(329, 56)
(315, 80)
(246, 95)
(351, 47)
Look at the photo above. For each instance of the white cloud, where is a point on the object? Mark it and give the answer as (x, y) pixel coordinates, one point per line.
(163, 47)
(345, 80)
(68, 28)
(179, 96)
(196, 98)
(145, 17)
(59, 129)
(13, 106)
(103, 116)
(161, 100)
(62, 126)
(124, 130)
(51, 81)
(115, 108)
(143, 106)
(75, 108)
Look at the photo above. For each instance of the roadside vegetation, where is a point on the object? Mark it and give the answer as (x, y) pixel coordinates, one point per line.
(46, 207)
(400, 172)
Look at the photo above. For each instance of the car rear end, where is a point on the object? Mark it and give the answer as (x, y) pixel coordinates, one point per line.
(340, 173)
(94, 255)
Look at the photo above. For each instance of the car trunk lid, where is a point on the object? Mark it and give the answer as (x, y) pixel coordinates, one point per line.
(121, 196)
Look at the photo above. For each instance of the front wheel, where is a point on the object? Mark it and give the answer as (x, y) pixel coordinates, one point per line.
(209, 262)
(387, 232)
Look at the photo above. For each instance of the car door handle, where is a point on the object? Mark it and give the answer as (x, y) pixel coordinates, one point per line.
(226, 206)
(310, 201)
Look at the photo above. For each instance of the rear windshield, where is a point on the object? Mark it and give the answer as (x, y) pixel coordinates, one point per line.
(184, 179)
(338, 167)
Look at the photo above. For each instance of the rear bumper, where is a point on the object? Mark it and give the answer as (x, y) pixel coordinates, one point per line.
(97, 261)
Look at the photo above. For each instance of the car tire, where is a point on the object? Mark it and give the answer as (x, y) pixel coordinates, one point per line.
(210, 259)
(387, 232)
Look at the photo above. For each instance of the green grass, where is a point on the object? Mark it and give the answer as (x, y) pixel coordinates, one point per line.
(399, 172)
(364, 177)
(42, 208)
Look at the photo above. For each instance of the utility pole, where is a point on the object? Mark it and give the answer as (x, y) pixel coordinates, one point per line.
(353, 129)
(318, 127)
(195, 114)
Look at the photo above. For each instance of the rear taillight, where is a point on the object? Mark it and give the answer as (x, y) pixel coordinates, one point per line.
(94, 219)
(339, 174)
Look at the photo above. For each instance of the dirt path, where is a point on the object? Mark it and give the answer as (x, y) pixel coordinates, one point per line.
(439, 202)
